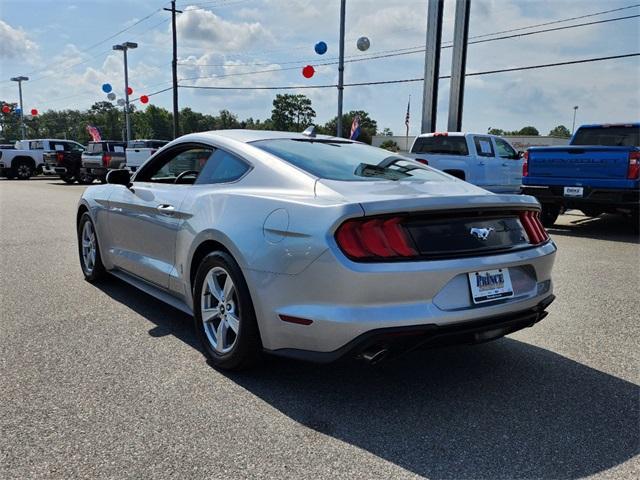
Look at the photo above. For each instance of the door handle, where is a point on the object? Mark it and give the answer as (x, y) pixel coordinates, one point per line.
(481, 164)
(166, 209)
(505, 164)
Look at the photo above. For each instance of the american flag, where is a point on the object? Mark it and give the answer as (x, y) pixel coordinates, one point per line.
(94, 132)
(408, 116)
(355, 128)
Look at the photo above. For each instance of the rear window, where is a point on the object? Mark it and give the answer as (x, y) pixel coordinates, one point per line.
(146, 144)
(94, 148)
(338, 160)
(454, 145)
(619, 136)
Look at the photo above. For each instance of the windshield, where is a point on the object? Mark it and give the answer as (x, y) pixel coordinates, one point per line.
(346, 161)
(618, 136)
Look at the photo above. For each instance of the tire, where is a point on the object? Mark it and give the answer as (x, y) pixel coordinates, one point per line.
(70, 179)
(591, 212)
(234, 320)
(23, 170)
(84, 179)
(549, 214)
(91, 263)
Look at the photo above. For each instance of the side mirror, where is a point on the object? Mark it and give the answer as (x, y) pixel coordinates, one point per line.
(119, 177)
(520, 154)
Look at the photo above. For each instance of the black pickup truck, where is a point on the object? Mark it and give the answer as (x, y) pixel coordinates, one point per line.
(67, 164)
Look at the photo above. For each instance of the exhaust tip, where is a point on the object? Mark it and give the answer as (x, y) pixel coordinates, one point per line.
(375, 355)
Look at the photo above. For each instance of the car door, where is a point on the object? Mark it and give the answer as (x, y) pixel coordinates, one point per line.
(488, 165)
(144, 218)
(511, 164)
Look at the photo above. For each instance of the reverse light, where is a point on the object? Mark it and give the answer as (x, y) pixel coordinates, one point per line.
(374, 238)
(633, 171)
(533, 226)
(525, 164)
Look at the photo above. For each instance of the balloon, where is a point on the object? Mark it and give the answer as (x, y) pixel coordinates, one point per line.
(144, 99)
(34, 112)
(363, 44)
(18, 111)
(121, 102)
(106, 87)
(6, 109)
(111, 96)
(129, 91)
(308, 71)
(321, 48)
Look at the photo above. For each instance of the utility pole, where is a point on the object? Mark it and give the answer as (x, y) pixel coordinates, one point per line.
(432, 65)
(23, 129)
(343, 7)
(458, 65)
(575, 110)
(124, 47)
(174, 68)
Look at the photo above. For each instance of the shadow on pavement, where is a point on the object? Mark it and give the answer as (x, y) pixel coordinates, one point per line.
(605, 227)
(501, 410)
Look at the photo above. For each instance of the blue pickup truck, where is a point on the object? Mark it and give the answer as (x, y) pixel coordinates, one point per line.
(598, 172)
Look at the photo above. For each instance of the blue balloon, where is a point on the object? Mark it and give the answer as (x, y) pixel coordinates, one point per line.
(18, 110)
(321, 48)
(106, 87)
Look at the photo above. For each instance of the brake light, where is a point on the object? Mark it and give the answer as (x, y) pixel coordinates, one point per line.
(59, 157)
(633, 171)
(106, 160)
(422, 160)
(533, 226)
(374, 238)
(525, 164)
(441, 134)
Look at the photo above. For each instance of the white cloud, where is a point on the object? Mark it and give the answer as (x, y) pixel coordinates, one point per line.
(15, 43)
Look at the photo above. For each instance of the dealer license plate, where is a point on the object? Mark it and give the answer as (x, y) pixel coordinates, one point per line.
(573, 191)
(490, 285)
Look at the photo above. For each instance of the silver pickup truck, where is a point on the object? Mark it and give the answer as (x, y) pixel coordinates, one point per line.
(487, 161)
(100, 157)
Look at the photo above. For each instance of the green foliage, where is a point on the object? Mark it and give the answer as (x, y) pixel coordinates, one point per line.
(560, 131)
(390, 145)
(387, 132)
(530, 131)
(368, 126)
(533, 131)
(292, 113)
(496, 131)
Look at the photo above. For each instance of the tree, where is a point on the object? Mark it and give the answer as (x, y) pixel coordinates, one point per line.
(226, 120)
(368, 126)
(292, 113)
(153, 122)
(496, 131)
(390, 145)
(533, 131)
(387, 132)
(560, 131)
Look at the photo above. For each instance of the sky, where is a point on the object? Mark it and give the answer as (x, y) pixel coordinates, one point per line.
(64, 46)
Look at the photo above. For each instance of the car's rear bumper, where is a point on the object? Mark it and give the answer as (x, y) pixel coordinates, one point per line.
(53, 170)
(95, 171)
(344, 300)
(593, 196)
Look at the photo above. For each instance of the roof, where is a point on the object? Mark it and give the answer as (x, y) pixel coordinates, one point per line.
(247, 136)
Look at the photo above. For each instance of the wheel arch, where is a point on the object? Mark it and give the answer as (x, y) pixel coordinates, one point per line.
(20, 158)
(202, 250)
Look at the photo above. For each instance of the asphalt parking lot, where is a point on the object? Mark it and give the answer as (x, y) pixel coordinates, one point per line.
(107, 382)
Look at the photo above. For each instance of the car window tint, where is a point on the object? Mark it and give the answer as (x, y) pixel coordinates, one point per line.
(341, 160)
(614, 136)
(222, 167)
(484, 148)
(37, 145)
(504, 149)
(441, 144)
(166, 171)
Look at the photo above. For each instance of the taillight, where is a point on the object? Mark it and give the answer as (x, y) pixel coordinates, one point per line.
(374, 238)
(59, 157)
(533, 226)
(525, 164)
(633, 171)
(422, 160)
(106, 160)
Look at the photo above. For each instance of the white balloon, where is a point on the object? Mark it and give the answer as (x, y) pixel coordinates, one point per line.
(111, 96)
(363, 44)
(121, 102)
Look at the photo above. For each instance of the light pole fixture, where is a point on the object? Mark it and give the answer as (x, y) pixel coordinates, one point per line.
(575, 110)
(21, 79)
(124, 47)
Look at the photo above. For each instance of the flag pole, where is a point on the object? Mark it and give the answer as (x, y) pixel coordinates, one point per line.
(407, 124)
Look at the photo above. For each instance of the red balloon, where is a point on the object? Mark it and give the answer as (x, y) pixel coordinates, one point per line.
(6, 109)
(144, 99)
(129, 91)
(308, 71)
(34, 112)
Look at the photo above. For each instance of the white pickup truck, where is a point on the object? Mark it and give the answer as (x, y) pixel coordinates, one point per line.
(487, 161)
(26, 159)
(138, 151)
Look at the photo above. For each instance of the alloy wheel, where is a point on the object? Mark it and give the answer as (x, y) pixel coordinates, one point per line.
(88, 247)
(219, 310)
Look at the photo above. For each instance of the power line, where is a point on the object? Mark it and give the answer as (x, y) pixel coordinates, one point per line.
(419, 79)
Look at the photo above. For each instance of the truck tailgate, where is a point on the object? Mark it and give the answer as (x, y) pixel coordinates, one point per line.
(579, 162)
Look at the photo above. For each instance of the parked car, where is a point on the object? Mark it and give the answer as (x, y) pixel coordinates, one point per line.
(138, 151)
(598, 172)
(26, 159)
(100, 157)
(66, 161)
(315, 247)
(487, 161)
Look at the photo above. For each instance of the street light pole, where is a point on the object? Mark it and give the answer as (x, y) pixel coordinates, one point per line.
(343, 8)
(23, 130)
(124, 47)
(575, 110)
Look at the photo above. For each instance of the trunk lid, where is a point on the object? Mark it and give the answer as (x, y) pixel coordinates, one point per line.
(579, 162)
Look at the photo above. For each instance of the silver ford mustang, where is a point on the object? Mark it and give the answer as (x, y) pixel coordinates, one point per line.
(317, 247)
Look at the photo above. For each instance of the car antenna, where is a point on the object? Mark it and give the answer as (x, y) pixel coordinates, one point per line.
(310, 131)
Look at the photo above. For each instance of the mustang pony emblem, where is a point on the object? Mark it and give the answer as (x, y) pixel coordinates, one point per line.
(481, 233)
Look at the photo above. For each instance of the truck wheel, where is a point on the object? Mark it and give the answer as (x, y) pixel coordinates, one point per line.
(23, 170)
(84, 179)
(68, 179)
(549, 214)
(592, 212)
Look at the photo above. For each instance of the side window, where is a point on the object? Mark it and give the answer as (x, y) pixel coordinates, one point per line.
(36, 145)
(222, 167)
(58, 146)
(484, 148)
(505, 150)
(169, 167)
